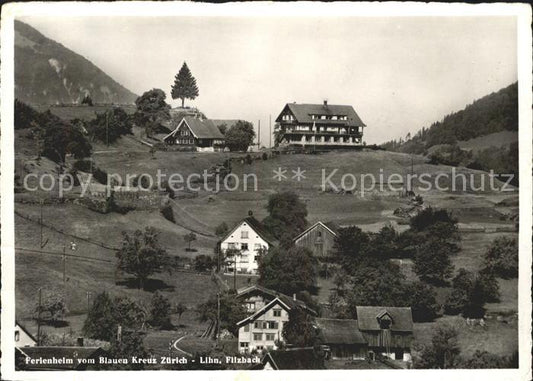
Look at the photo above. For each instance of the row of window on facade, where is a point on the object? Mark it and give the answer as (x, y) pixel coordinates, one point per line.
(333, 139)
(244, 246)
(318, 117)
(337, 130)
(245, 347)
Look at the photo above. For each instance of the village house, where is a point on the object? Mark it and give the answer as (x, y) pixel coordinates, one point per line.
(320, 125)
(23, 338)
(243, 245)
(196, 133)
(377, 331)
(269, 311)
(319, 239)
(342, 338)
(387, 330)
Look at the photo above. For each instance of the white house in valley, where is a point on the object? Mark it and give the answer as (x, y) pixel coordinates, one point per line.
(250, 240)
(269, 311)
(264, 328)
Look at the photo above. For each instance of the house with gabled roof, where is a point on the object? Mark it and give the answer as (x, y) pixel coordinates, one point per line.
(264, 329)
(23, 337)
(244, 244)
(255, 297)
(320, 125)
(196, 133)
(342, 338)
(319, 238)
(387, 330)
(269, 311)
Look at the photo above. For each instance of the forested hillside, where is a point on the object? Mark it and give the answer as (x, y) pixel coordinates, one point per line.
(493, 113)
(483, 136)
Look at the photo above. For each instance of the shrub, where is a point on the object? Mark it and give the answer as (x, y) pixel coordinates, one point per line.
(160, 312)
(502, 257)
(168, 213)
(100, 175)
(203, 263)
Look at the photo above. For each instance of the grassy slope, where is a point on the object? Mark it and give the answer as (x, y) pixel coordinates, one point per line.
(497, 139)
(208, 210)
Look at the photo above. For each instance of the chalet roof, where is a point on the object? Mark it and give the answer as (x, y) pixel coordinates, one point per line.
(25, 330)
(297, 358)
(227, 122)
(330, 225)
(262, 311)
(340, 331)
(256, 289)
(303, 112)
(70, 352)
(200, 128)
(257, 227)
(402, 319)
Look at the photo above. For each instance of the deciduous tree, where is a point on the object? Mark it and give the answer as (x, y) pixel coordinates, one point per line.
(141, 255)
(288, 270)
(240, 136)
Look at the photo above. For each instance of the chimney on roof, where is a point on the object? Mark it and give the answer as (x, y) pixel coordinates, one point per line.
(325, 103)
(250, 213)
(294, 296)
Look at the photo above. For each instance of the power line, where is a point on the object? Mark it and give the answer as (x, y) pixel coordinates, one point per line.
(79, 257)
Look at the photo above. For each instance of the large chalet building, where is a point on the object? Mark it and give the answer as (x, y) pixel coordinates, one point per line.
(319, 125)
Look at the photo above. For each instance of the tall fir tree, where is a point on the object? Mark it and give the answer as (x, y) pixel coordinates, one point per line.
(184, 86)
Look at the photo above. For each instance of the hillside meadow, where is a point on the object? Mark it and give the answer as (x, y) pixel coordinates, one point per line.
(476, 212)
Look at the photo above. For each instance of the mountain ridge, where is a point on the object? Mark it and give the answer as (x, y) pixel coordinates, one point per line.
(46, 72)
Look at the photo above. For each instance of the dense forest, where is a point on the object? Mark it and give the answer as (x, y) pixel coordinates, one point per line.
(493, 113)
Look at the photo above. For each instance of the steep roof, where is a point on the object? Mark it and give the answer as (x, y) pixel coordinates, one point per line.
(227, 122)
(262, 311)
(340, 331)
(297, 358)
(402, 318)
(257, 227)
(331, 226)
(25, 330)
(203, 129)
(303, 112)
(200, 128)
(289, 301)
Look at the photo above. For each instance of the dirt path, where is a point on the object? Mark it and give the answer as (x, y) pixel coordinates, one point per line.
(175, 345)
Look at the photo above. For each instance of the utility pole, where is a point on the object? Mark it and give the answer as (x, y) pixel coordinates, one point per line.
(107, 127)
(41, 225)
(218, 316)
(259, 134)
(270, 131)
(39, 319)
(235, 272)
(64, 259)
(88, 304)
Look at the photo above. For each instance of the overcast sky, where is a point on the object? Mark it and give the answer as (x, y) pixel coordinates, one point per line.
(398, 73)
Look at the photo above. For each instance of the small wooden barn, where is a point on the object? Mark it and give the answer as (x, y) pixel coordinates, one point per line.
(343, 338)
(387, 330)
(319, 239)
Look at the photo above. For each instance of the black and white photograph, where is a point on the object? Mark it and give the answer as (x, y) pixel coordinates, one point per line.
(266, 186)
